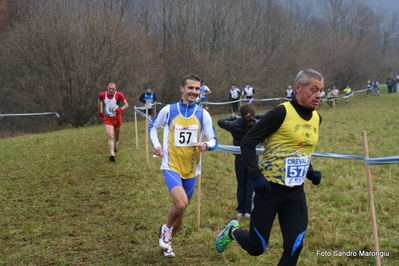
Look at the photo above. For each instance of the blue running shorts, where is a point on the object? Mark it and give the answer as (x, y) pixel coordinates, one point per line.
(173, 179)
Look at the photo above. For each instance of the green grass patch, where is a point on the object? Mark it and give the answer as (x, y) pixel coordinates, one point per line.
(63, 203)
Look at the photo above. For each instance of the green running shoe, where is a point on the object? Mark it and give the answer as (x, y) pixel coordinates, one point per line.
(223, 238)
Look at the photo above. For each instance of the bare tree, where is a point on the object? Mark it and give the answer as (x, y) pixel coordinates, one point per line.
(65, 52)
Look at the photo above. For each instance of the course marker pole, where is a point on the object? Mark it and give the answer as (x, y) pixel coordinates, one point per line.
(199, 200)
(135, 127)
(199, 197)
(371, 201)
(146, 135)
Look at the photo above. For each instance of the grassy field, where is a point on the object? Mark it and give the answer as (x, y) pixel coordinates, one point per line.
(63, 203)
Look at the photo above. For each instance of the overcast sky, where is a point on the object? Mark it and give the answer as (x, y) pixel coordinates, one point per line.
(385, 5)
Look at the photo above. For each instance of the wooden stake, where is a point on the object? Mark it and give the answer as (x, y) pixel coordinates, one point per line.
(146, 135)
(371, 199)
(199, 200)
(135, 127)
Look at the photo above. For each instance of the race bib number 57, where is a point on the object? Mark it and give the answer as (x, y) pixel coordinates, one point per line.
(296, 169)
(186, 136)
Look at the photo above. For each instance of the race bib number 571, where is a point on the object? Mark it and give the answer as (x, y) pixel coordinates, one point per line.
(296, 169)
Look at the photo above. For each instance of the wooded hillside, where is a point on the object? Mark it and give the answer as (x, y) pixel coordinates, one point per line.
(9, 9)
(59, 54)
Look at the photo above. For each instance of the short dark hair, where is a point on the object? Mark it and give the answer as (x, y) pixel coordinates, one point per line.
(190, 77)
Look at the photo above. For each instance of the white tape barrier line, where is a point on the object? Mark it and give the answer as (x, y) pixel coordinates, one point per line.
(211, 103)
(273, 99)
(246, 100)
(142, 114)
(256, 100)
(151, 105)
(368, 161)
(30, 114)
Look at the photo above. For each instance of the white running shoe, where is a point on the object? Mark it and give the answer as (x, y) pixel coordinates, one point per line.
(116, 146)
(169, 253)
(165, 238)
(239, 215)
(247, 215)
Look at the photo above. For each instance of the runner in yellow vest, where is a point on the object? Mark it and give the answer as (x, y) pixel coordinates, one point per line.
(348, 92)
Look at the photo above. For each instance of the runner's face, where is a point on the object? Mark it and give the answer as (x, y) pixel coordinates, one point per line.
(111, 89)
(190, 91)
(309, 95)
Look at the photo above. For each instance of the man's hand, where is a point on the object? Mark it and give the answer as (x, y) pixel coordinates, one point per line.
(202, 146)
(158, 151)
(101, 115)
(314, 176)
(261, 185)
(118, 111)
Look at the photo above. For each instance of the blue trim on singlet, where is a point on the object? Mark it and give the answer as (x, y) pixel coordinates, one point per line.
(203, 91)
(150, 98)
(186, 110)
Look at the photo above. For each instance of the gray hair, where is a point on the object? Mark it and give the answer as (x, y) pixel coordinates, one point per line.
(304, 76)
